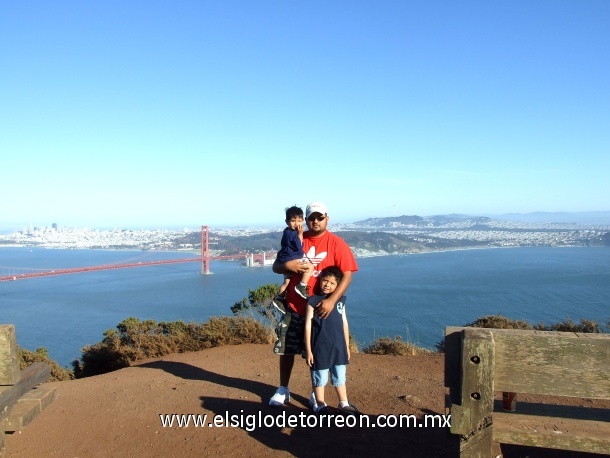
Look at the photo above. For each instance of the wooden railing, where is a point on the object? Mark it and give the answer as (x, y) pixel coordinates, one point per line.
(481, 362)
(21, 398)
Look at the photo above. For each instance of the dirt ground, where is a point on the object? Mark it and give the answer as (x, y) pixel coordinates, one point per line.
(118, 414)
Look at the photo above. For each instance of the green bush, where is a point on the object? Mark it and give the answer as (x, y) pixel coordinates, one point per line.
(58, 373)
(258, 305)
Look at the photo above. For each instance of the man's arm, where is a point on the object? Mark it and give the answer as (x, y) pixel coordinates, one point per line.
(326, 306)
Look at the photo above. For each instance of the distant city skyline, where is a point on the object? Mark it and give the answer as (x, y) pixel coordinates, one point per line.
(601, 218)
(139, 114)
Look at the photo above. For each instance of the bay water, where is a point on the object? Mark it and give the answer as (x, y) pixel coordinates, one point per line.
(412, 296)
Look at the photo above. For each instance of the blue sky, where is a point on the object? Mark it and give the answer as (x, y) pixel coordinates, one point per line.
(183, 113)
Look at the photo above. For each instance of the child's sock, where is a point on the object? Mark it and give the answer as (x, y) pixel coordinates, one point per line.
(303, 284)
(343, 403)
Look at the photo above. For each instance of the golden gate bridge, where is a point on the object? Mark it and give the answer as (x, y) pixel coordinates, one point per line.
(204, 259)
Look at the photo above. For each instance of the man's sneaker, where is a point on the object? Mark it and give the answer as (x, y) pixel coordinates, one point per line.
(301, 290)
(349, 409)
(321, 410)
(312, 401)
(281, 396)
(278, 303)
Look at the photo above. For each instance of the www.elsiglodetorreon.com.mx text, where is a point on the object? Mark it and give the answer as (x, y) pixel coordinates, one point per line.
(250, 422)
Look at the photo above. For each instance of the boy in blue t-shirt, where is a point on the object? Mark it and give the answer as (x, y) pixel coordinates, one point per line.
(292, 248)
(327, 345)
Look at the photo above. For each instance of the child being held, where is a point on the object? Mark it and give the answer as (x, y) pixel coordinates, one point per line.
(292, 248)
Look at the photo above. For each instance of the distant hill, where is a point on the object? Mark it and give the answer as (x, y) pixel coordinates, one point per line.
(456, 218)
(389, 221)
(597, 217)
(370, 241)
(594, 218)
(414, 220)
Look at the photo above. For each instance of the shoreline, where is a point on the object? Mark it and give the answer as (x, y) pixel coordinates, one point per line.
(357, 251)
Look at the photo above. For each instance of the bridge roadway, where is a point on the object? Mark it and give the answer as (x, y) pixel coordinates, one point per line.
(74, 270)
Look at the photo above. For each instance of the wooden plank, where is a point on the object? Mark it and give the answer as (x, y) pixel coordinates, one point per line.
(477, 374)
(552, 432)
(558, 411)
(552, 363)
(475, 392)
(453, 358)
(31, 376)
(43, 395)
(480, 448)
(9, 355)
(3, 453)
(20, 415)
(27, 407)
(471, 419)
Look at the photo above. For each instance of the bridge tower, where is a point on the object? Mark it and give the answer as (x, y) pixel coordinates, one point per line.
(205, 250)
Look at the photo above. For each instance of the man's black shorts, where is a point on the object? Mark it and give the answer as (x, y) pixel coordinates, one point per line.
(290, 334)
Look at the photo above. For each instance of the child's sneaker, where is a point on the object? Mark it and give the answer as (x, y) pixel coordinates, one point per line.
(281, 396)
(278, 303)
(301, 290)
(349, 409)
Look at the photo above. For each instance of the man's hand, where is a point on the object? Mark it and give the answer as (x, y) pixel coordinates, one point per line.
(306, 266)
(324, 308)
(296, 266)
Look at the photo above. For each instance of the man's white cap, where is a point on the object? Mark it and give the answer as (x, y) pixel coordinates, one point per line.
(315, 207)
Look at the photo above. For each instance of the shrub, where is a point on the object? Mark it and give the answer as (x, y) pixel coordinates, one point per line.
(58, 373)
(234, 331)
(134, 340)
(568, 325)
(258, 305)
(500, 322)
(395, 346)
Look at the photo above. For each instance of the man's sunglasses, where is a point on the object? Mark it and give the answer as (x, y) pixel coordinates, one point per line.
(316, 218)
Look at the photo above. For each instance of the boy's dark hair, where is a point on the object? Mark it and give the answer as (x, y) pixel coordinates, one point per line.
(332, 271)
(293, 212)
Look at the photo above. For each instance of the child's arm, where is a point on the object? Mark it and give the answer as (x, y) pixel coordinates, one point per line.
(308, 320)
(346, 333)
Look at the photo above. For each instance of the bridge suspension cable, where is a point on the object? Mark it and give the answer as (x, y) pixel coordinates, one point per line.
(20, 273)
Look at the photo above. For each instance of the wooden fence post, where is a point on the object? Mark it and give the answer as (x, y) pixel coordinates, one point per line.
(9, 356)
(471, 419)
